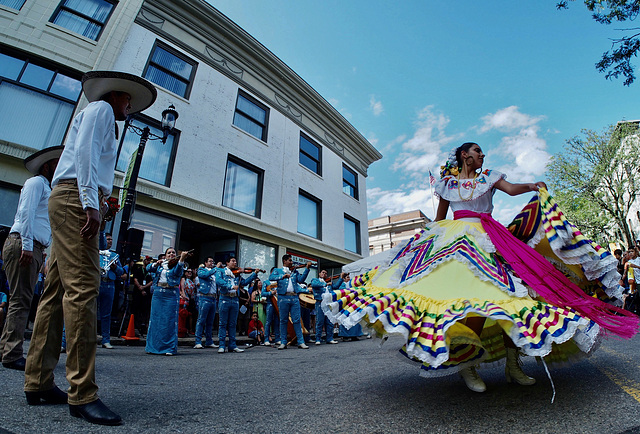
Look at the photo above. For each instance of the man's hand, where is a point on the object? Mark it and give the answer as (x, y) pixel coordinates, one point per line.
(90, 229)
(26, 257)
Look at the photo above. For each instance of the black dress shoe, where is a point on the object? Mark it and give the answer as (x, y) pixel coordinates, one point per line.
(16, 364)
(95, 412)
(51, 396)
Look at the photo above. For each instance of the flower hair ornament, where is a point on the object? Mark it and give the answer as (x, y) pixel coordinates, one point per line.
(451, 165)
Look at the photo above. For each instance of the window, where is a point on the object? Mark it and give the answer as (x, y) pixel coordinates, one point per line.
(349, 182)
(310, 155)
(158, 158)
(31, 91)
(251, 116)
(309, 215)
(147, 241)
(85, 17)
(14, 4)
(243, 187)
(351, 234)
(9, 197)
(170, 69)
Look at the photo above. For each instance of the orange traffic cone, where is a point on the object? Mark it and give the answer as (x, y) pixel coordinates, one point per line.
(131, 332)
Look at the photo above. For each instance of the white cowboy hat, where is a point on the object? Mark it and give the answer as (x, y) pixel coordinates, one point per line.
(97, 83)
(34, 162)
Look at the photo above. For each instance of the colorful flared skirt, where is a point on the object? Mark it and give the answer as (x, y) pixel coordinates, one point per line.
(426, 288)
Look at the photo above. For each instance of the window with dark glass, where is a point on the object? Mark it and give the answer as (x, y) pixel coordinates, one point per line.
(85, 17)
(34, 90)
(309, 215)
(158, 158)
(170, 69)
(310, 155)
(243, 187)
(349, 182)
(351, 234)
(13, 4)
(251, 116)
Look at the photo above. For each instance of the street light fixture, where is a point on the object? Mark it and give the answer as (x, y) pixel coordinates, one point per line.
(169, 117)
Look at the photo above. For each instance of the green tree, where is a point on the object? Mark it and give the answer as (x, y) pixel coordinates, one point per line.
(595, 179)
(617, 60)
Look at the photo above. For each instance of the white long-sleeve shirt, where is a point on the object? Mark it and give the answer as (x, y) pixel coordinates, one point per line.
(32, 218)
(90, 153)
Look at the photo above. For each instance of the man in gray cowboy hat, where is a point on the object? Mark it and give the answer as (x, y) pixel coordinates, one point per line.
(81, 184)
(29, 236)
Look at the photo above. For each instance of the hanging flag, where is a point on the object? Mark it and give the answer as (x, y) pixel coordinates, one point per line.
(432, 179)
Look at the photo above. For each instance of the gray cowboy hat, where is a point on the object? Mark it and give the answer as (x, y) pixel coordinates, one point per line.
(97, 83)
(34, 162)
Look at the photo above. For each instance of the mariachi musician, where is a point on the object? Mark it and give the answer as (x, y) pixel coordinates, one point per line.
(288, 280)
(269, 293)
(229, 284)
(320, 286)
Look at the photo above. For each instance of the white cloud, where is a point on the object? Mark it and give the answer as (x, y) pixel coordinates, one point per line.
(389, 202)
(424, 150)
(375, 106)
(508, 119)
(527, 154)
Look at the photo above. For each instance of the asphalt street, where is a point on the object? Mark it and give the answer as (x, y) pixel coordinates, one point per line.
(349, 387)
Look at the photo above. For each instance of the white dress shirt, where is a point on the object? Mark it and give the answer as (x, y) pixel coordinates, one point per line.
(32, 218)
(90, 153)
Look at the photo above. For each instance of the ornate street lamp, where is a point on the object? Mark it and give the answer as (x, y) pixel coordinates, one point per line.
(169, 117)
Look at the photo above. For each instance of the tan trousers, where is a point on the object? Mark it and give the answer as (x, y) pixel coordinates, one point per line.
(22, 281)
(70, 291)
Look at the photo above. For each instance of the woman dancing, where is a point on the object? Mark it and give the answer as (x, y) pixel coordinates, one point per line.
(466, 291)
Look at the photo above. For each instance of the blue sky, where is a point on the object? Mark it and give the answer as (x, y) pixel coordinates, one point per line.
(418, 78)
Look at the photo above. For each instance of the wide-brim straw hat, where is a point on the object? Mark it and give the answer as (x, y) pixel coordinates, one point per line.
(97, 83)
(34, 162)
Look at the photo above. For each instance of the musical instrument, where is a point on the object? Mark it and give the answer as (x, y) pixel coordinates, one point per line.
(247, 270)
(107, 259)
(291, 333)
(307, 301)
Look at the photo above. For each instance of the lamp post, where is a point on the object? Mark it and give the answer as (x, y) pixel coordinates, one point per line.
(169, 117)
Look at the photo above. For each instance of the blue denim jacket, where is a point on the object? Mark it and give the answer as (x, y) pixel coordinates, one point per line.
(266, 293)
(318, 286)
(226, 283)
(296, 279)
(173, 274)
(338, 284)
(207, 278)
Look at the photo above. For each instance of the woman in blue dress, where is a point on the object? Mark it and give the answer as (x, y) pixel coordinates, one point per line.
(162, 336)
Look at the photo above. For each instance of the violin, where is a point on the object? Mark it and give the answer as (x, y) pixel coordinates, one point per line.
(246, 270)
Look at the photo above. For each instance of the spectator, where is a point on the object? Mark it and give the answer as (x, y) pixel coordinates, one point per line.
(187, 288)
(141, 295)
(256, 329)
(23, 250)
(259, 303)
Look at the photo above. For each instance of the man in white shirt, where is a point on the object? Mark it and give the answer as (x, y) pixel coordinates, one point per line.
(82, 182)
(23, 251)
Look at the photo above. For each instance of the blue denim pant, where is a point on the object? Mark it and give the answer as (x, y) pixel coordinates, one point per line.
(105, 303)
(229, 308)
(290, 304)
(206, 314)
(272, 321)
(321, 319)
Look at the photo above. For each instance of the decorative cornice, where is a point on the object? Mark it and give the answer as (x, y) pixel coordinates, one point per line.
(224, 62)
(151, 18)
(287, 106)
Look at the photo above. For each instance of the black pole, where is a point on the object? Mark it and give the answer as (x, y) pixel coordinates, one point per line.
(130, 199)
